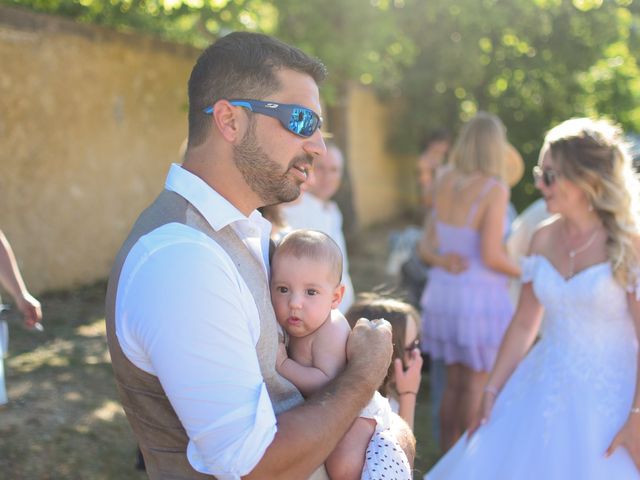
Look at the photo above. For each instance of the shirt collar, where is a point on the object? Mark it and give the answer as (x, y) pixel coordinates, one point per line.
(216, 209)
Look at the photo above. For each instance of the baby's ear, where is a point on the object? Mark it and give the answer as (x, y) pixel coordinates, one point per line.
(338, 293)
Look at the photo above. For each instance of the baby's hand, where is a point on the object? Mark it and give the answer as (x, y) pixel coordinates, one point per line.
(281, 356)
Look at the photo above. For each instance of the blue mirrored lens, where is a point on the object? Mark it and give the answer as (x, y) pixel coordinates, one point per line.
(303, 122)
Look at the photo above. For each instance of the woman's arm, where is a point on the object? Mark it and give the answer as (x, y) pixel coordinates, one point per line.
(493, 251)
(11, 280)
(428, 250)
(516, 343)
(519, 337)
(407, 384)
(629, 435)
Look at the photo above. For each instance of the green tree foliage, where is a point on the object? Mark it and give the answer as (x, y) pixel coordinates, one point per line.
(359, 40)
(532, 62)
(197, 22)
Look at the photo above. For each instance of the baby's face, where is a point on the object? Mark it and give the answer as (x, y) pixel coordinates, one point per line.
(303, 292)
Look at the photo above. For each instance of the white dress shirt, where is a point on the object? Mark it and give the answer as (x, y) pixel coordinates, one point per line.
(185, 315)
(314, 214)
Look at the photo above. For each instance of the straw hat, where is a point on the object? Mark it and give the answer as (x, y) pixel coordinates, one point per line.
(515, 166)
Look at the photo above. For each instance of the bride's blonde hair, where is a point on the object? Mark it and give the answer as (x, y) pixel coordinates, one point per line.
(592, 155)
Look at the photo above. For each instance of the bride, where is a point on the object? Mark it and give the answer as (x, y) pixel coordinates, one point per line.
(570, 407)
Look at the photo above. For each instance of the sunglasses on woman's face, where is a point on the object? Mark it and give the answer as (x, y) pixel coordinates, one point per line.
(547, 176)
(297, 119)
(412, 346)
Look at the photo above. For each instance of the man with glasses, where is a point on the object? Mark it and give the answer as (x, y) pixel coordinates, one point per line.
(191, 331)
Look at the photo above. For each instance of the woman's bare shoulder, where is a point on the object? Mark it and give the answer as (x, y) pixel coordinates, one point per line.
(546, 234)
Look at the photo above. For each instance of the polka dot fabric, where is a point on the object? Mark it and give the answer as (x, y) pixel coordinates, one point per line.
(385, 459)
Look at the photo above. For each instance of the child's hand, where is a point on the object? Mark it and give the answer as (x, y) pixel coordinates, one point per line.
(408, 380)
(281, 356)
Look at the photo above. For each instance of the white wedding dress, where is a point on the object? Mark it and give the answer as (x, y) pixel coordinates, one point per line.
(559, 411)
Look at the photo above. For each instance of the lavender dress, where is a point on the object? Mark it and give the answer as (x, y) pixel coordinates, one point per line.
(465, 315)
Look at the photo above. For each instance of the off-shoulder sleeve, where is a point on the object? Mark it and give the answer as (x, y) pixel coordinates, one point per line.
(529, 268)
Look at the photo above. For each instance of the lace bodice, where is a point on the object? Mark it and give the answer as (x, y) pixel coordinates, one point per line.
(587, 334)
(589, 307)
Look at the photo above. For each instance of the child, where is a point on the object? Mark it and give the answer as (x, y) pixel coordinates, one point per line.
(402, 382)
(305, 290)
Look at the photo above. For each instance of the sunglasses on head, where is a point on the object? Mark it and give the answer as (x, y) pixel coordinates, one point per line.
(295, 118)
(548, 176)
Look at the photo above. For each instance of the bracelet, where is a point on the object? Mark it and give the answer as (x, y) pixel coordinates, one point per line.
(408, 392)
(635, 410)
(491, 390)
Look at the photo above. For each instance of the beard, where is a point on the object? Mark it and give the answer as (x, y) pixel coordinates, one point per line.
(264, 176)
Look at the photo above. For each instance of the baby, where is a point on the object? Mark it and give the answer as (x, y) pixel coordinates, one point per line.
(305, 291)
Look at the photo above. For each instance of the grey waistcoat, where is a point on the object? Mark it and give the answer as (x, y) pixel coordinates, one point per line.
(157, 429)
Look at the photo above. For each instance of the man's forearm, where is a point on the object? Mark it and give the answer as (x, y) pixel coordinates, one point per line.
(307, 434)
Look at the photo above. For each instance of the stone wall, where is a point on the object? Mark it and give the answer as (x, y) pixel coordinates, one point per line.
(90, 120)
(380, 182)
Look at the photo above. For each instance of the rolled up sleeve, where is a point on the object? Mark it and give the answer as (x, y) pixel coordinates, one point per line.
(186, 316)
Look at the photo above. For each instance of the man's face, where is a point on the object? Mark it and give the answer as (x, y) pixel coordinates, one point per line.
(328, 173)
(273, 161)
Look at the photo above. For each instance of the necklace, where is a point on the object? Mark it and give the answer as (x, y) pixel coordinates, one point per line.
(575, 251)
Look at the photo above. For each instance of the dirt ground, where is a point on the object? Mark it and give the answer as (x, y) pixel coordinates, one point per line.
(63, 420)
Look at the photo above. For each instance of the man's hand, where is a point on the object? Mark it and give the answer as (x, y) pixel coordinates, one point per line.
(369, 347)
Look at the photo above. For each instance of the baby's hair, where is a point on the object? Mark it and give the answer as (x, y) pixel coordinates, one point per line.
(396, 312)
(313, 245)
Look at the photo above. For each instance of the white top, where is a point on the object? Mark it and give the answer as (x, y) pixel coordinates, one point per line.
(184, 314)
(312, 213)
(379, 409)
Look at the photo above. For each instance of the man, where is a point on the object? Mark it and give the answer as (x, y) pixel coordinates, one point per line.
(191, 331)
(316, 211)
(432, 156)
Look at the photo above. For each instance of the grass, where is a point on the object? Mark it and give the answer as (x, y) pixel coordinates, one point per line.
(63, 420)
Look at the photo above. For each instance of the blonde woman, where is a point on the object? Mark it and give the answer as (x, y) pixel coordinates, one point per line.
(570, 408)
(465, 306)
